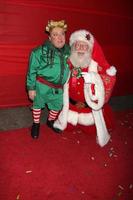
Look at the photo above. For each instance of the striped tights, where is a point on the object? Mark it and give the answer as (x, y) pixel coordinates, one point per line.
(36, 113)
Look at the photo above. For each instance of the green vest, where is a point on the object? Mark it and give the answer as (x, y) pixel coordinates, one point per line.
(48, 62)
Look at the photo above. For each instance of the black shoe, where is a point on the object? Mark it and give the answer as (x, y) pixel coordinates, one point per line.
(50, 125)
(35, 130)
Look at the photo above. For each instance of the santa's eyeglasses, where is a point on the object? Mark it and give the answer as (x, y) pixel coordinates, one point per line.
(81, 46)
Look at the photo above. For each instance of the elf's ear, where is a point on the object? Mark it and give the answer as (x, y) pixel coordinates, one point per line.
(49, 38)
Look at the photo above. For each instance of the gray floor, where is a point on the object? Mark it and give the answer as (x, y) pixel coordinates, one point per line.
(21, 117)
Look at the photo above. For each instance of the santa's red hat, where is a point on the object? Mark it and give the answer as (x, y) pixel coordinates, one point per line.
(97, 52)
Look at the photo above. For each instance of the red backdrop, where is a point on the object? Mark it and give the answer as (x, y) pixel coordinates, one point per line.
(22, 24)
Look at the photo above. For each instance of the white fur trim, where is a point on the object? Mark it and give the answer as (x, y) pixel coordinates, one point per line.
(86, 119)
(102, 133)
(61, 122)
(99, 93)
(72, 117)
(93, 66)
(75, 118)
(81, 35)
(111, 71)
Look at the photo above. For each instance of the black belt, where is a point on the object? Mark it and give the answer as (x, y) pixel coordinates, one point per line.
(72, 101)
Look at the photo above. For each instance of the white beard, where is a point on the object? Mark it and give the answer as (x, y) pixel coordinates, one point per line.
(79, 59)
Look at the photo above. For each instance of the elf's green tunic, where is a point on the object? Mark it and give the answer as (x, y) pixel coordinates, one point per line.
(50, 64)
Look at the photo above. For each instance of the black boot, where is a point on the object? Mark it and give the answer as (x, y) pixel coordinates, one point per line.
(35, 130)
(50, 125)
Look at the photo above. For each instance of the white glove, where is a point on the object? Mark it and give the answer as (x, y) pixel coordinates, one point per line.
(88, 77)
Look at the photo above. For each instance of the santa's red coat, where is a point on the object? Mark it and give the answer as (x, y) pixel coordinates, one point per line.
(76, 92)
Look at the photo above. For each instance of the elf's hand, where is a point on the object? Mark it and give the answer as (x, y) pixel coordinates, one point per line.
(32, 94)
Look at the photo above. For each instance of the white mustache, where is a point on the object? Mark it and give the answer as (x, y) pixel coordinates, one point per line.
(80, 59)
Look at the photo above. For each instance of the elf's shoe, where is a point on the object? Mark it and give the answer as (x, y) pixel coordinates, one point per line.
(50, 125)
(35, 130)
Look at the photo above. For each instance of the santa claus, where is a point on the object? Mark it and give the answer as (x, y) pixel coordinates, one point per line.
(89, 87)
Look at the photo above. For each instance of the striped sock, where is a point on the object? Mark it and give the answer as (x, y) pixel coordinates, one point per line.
(36, 113)
(52, 115)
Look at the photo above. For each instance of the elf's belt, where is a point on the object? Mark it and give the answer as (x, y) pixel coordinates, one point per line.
(78, 104)
(52, 85)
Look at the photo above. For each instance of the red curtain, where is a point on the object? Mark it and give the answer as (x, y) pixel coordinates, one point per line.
(22, 25)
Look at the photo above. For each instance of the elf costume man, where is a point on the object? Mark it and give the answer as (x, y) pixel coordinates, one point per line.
(89, 87)
(48, 72)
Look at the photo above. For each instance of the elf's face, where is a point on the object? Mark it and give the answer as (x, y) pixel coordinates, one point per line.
(57, 37)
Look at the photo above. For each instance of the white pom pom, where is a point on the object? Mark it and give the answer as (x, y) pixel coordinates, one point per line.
(111, 71)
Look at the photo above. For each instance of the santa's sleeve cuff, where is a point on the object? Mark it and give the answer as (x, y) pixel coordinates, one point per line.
(111, 71)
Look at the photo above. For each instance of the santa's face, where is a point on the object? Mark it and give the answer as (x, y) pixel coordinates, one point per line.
(80, 54)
